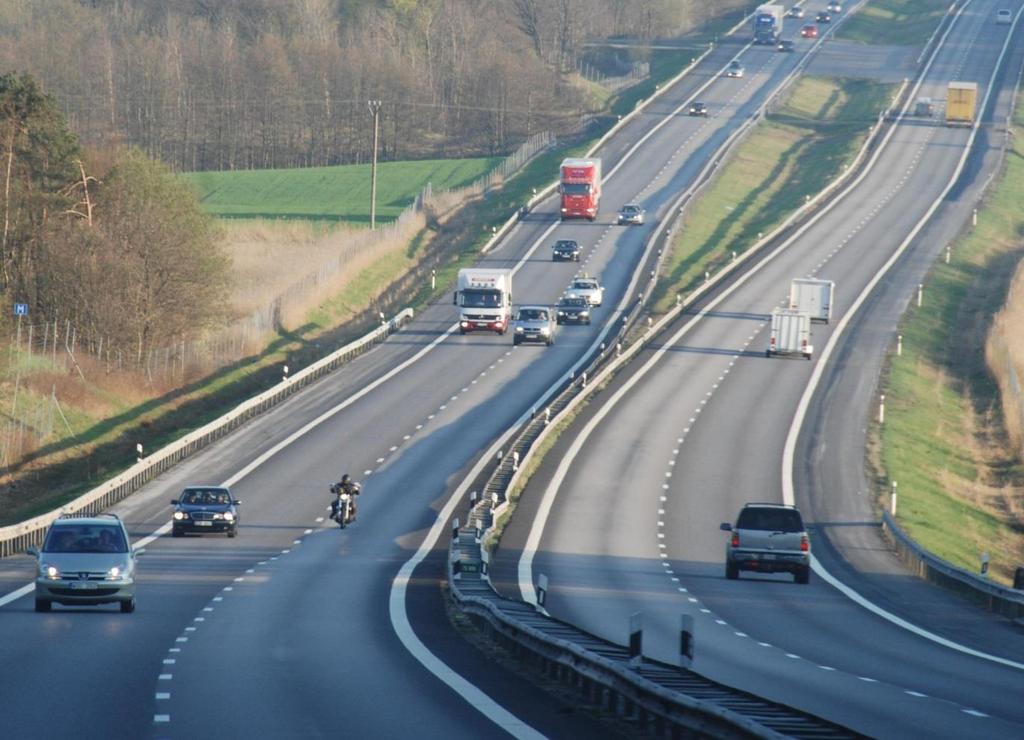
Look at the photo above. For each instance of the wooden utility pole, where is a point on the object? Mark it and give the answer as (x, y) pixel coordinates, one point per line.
(374, 106)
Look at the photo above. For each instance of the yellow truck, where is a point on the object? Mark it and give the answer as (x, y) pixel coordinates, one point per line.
(961, 101)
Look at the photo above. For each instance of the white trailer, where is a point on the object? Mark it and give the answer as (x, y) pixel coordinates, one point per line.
(812, 296)
(791, 333)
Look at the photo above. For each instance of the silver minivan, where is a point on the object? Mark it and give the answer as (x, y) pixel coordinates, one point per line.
(85, 561)
(534, 324)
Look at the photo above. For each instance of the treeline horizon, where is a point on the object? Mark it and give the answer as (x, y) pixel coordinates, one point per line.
(255, 84)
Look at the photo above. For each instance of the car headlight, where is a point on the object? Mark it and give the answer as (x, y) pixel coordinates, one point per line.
(545, 330)
(114, 573)
(584, 313)
(49, 571)
(519, 330)
(179, 515)
(228, 516)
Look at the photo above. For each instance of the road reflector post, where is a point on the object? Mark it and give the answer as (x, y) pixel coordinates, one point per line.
(984, 565)
(920, 294)
(284, 374)
(881, 409)
(455, 530)
(899, 345)
(138, 452)
(515, 461)
(686, 641)
(542, 590)
(892, 505)
(636, 639)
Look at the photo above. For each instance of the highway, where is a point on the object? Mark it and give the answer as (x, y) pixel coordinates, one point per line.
(286, 631)
(634, 527)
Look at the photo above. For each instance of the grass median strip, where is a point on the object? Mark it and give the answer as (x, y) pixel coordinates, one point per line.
(960, 483)
(790, 157)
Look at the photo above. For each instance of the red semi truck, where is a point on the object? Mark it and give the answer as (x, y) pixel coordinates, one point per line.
(580, 188)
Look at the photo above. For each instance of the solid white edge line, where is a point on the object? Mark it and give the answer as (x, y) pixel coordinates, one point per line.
(404, 630)
(789, 452)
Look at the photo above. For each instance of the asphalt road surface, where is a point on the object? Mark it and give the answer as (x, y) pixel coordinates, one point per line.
(643, 479)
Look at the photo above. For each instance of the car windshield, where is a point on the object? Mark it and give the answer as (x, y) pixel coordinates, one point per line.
(573, 303)
(584, 284)
(773, 520)
(533, 314)
(573, 188)
(565, 244)
(85, 538)
(481, 298)
(630, 209)
(202, 498)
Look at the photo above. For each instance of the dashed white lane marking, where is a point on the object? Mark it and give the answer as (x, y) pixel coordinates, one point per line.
(826, 668)
(974, 713)
(161, 718)
(165, 676)
(162, 695)
(868, 679)
(791, 655)
(917, 694)
(169, 661)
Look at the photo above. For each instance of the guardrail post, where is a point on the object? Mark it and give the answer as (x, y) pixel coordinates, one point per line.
(515, 461)
(636, 639)
(686, 641)
(547, 416)
(542, 590)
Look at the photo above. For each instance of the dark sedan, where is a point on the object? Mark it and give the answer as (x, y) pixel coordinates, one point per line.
(565, 249)
(202, 509)
(571, 310)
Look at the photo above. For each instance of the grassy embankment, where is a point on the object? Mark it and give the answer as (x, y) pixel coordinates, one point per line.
(960, 481)
(107, 415)
(795, 153)
(896, 22)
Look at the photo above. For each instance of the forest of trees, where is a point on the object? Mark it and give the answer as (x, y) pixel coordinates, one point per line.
(106, 240)
(240, 84)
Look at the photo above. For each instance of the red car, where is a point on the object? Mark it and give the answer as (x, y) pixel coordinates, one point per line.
(810, 31)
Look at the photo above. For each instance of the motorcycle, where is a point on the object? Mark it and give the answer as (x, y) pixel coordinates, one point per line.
(343, 506)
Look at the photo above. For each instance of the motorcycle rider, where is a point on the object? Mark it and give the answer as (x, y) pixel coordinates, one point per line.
(345, 485)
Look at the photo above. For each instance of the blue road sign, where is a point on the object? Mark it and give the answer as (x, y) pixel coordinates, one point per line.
(21, 309)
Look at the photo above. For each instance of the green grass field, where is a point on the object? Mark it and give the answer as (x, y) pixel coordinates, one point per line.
(796, 153)
(898, 22)
(942, 440)
(331, 193)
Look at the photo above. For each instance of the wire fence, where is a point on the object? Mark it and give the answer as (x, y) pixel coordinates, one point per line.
(63, 349)
(640, 71)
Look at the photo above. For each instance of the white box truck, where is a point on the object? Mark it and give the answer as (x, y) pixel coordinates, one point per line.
(812, 296)
(484, 298)
(791, 333)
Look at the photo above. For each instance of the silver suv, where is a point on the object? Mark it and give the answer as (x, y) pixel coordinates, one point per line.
(534, 324)
(768, 538)
(86, 560)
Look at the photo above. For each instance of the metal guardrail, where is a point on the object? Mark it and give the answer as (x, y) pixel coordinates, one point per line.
(518, 621)
(652, 695)
(16, 537)
(1002, 600)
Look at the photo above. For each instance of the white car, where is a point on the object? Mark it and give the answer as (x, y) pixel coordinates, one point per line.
(1004, 17)
(735, 69)
(795, 12)
(586, 287)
